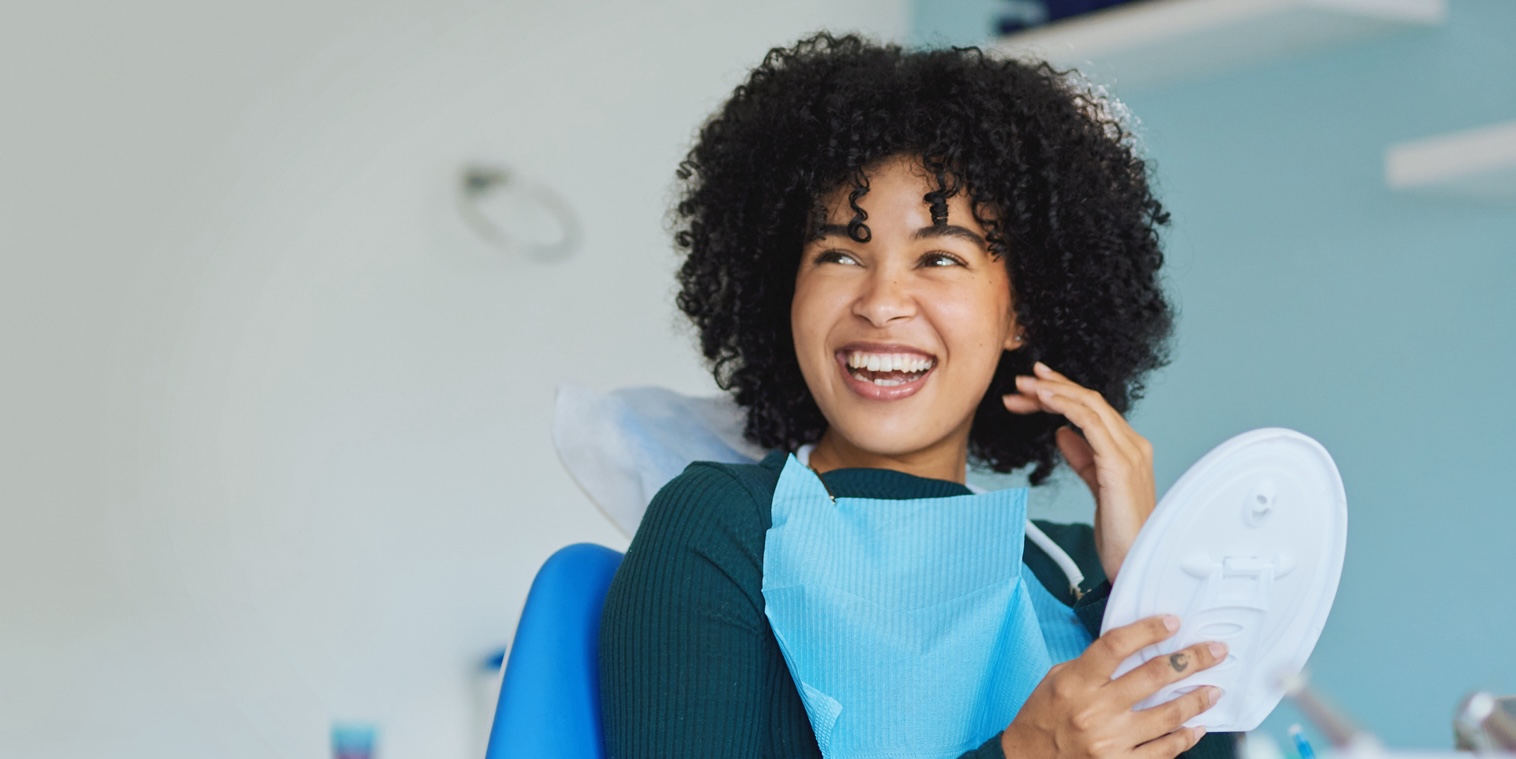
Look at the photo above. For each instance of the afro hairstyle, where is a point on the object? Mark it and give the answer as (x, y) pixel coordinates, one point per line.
(1051, 175)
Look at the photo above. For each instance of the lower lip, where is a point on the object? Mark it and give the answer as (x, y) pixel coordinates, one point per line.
(875, 392)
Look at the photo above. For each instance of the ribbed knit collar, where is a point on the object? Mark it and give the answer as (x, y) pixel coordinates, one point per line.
(875, 483)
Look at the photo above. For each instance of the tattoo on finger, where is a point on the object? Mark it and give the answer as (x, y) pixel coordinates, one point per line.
(1179, 662)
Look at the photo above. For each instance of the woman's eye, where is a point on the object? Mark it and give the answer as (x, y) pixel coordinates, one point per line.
(835, 257)
(938, 258)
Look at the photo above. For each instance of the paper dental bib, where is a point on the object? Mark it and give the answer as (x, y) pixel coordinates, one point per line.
(911, 627)
(1246, 548)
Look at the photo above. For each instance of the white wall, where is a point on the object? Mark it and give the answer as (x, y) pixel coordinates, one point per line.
(273, 425)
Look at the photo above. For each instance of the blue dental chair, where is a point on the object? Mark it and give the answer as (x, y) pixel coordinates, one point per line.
(550, 694)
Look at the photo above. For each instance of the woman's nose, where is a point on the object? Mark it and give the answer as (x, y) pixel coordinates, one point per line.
(885, 298)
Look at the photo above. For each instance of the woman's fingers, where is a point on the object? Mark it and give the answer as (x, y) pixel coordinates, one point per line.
(1167, 717)
(1027, 397)
(1052, 392)
(1170, 745)
(1108, 651)
(1088, 411)
(1163, 721)
(1081, 457)
(1016, 403)
(1103, 440)
(1162, 671)
(1084, 407)
(1082, 394)
(1049, 381)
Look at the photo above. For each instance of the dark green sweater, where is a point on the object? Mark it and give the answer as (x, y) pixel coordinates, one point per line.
(688, 664)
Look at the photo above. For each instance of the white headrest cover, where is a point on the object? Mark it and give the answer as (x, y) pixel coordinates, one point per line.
(621, 447)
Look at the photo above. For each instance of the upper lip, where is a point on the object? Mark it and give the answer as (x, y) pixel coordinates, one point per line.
(865, 347)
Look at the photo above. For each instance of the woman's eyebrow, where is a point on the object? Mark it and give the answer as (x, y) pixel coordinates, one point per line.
(831, 230)
(950, 230)
(946, 230)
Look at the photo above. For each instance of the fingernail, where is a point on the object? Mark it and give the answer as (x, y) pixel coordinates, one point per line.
(1041, 367)
(1199, 733)
(1218, 650)
(1170, 621)
(1214, 694)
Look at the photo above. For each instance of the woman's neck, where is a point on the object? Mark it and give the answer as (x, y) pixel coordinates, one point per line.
(947, 460)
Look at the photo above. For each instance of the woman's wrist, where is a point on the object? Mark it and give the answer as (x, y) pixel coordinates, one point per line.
(1016, 743)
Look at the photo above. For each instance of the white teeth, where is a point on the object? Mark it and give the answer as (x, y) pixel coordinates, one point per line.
(889, 362)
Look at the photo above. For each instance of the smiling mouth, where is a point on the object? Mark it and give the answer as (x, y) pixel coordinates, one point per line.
(888, 369)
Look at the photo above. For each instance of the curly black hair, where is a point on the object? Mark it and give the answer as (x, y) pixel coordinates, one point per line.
(1071, 214)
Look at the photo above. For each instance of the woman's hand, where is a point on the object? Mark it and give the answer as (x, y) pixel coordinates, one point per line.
(1079, 712)
(1115, 461)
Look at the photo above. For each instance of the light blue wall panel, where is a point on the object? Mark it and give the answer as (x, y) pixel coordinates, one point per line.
(952, 22)
(1382, 324)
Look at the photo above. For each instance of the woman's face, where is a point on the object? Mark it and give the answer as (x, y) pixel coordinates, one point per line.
(898, 337)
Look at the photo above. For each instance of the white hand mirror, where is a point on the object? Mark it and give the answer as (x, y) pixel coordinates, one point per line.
(1247, 549)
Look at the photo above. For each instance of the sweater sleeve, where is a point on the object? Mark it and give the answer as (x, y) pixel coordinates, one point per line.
(684, 672)
(1211, 746)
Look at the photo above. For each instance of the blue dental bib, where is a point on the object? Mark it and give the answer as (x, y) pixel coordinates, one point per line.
(911, 627)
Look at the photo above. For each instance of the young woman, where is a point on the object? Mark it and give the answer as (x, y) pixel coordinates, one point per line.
(899, 261)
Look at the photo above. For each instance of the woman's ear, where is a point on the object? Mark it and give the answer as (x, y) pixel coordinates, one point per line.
(1013, 338)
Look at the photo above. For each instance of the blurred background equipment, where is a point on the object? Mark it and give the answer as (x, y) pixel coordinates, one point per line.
(1486, 723)
(1483, 723)
(516, 214)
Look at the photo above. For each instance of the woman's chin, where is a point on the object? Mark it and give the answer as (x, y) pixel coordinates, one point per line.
(895, 439)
